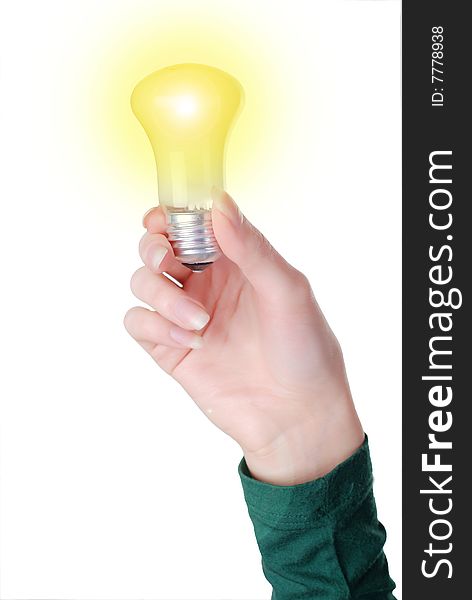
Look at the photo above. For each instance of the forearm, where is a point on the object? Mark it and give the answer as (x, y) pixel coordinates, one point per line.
(321, 538)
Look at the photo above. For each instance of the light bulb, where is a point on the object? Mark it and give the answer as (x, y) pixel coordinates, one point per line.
(187, 111)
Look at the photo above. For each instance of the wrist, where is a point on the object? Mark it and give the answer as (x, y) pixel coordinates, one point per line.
(309, 450)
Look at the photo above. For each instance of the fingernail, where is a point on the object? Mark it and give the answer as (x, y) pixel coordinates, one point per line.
(191, 314)
(186, 338)
(226, 205)
(147, 213)
(157, 254)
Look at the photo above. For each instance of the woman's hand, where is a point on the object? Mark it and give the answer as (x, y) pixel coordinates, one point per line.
(248, 342)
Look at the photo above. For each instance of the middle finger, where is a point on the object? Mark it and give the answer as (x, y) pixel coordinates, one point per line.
(157, 254)
(167, 299)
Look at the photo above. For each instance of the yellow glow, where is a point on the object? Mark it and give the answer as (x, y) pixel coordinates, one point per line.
(187, 111)
(127, 49)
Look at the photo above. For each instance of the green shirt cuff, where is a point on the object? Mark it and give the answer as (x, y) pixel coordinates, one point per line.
(335, 495)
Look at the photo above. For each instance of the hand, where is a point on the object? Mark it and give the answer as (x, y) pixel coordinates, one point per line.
(248, 342)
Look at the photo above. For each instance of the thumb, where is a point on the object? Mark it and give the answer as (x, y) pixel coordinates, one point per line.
(268, 272)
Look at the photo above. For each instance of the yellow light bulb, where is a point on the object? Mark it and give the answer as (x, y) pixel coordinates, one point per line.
(187, 111)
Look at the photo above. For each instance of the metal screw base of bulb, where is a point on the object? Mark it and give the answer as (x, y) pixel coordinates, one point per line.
(192, 238)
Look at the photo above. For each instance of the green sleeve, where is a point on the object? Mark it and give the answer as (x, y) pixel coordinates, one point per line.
(321, 539)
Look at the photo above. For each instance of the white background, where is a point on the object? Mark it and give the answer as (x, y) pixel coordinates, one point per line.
(113, 485)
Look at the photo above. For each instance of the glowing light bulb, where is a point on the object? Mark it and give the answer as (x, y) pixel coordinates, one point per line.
(187, 111)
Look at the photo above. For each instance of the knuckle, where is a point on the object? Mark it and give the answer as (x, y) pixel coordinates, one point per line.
(262, 246)
(269, 250)
(299, 287)
(302, 281)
